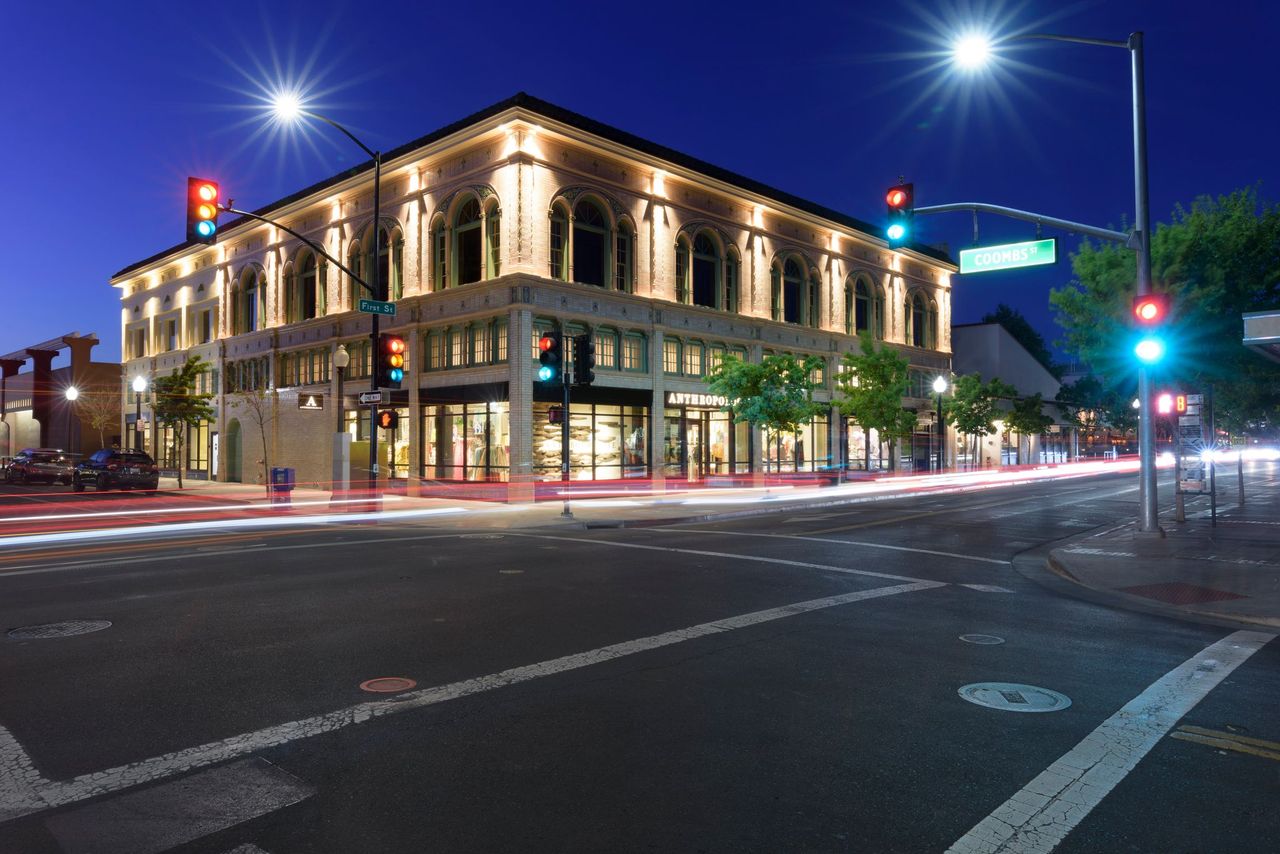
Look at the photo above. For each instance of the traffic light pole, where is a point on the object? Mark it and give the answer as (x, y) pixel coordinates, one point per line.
(564, 426)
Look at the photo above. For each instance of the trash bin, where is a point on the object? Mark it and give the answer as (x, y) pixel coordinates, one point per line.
(282, 483)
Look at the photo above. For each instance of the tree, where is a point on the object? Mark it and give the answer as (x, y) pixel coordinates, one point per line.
(972, 408)
(261, 406)
(102, 410)
(1027, 419)
(1216, 260)
(1092, 405)
(1021, 329)
(774, 395)
(177, 404)
(870, 391)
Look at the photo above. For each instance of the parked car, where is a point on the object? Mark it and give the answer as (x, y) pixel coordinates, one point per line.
(39, 464)
(117, 469)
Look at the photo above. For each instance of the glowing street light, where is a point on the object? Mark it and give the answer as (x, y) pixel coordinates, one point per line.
(72, 394)
(971, 52)
(940, 388)
(287, 106)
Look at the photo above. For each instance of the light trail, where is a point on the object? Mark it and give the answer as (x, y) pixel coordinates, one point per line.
(162, 511)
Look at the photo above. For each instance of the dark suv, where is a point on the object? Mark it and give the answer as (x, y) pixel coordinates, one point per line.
(32, 464)
(116, 469)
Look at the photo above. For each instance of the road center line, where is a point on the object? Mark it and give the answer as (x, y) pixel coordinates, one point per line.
(40, 794)
(1043, 812)
(755, 558)
(840, 542)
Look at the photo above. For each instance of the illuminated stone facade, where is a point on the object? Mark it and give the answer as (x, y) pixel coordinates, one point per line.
(517, 219)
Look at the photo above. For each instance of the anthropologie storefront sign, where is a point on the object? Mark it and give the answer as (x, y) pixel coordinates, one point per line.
(690, 398)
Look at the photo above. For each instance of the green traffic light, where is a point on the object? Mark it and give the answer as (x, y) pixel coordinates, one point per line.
(546, 373)
(897, 231)
(1149, 350)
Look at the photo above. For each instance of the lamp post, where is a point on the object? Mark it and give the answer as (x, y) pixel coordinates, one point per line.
(939, 388)
(341, 472)
(139, 386)
(287, 108)
(974, 51)
(73, 394)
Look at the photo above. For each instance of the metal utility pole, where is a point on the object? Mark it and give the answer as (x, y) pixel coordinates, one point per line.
(564, 424)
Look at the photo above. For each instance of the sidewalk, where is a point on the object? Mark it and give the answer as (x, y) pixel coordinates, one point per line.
(1228, 572)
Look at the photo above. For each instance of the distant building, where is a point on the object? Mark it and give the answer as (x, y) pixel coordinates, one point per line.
(35, 407)
(522, 218)
(989, 349)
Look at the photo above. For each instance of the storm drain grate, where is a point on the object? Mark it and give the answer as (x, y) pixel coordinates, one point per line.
(65, 629)
(984, 640)
(1180, 593)
(1011, 697)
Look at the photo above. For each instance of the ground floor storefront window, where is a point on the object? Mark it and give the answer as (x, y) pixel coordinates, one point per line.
(195, 452)
(700, 442)
(466, 441)
(808, 449)
(356, 423)
(606, 442)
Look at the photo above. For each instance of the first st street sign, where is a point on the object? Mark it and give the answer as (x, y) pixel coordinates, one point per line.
(1009, 256)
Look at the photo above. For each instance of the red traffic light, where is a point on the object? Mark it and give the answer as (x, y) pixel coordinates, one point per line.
(1164, 403)
(202, 210)
(896, 197)
(387, 419)
(546, 342)
(1150, 309)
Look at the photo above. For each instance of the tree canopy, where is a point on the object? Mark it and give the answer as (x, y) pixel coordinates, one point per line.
(176, 403)
(1216, 259)
(870, 391)
(774, 394)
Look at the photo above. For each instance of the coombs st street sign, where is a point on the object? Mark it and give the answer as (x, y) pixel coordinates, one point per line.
(1009, 256)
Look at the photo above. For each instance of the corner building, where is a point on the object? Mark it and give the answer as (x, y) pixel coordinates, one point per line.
(521, 218)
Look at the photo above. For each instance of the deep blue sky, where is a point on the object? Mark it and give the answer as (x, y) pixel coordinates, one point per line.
(108, 107)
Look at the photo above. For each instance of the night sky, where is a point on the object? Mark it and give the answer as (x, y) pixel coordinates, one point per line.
(107, 109)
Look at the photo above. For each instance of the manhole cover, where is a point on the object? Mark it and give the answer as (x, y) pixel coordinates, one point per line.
(65, 629)
(481, 536)
(388, 685)
(981, 639)
(1011, 697)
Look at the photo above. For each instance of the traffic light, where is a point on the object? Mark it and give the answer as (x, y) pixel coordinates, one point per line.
(202, 210)
(1150, 311)
(551, 357)
(902, 209)
(1164, 403)
(387, 419)
(390, 367)
(584, 360)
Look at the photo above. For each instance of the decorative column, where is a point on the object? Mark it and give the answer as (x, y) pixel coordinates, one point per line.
(520, 404)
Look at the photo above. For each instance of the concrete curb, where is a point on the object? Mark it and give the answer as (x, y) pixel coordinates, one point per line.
(1040, 566)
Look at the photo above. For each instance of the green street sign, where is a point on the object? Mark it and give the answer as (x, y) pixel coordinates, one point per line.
(373, 306)
(1009, 256)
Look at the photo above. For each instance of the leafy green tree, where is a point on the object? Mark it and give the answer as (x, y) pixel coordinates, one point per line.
(177, 404)
(1021, 329)
(972, 408)
(1216, 259)
(870, 391)
(1027, 419)
(775, 395)
(1092, 405)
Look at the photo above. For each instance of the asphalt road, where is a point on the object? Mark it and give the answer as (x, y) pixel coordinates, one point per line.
(781, 683)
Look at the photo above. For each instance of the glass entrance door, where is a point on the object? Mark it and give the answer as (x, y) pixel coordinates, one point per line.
(695, 448)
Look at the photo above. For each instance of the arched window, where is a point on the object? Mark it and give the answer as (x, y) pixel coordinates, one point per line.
(248, 302)
(919, 321)
(292, 310)
(590, 244)
(559, 243)
(310, 287)
(682, 269)
(705, 271)
(789, 306)
(468, 243)
(440, 253)
(863, 308)
(493, 243)
(624, 258)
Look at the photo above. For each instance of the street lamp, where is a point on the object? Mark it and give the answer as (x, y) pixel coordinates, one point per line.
(288, 107)
(969, 54)
(340, 361)
(139, 386)
(939, 388)
(73, 394)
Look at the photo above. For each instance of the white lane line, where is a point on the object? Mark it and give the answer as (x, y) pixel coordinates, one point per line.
(20, 782)
(840, 542)
(987, 588)
(1043, 812)
(40, 568)
(247, 848)
(224, 524)
(160, 818)
(59, 793)
(755, 558)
